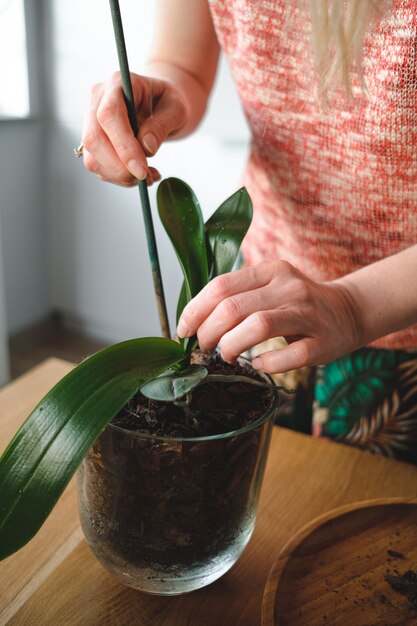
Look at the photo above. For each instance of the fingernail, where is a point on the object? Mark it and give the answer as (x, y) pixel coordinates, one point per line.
(137, 169)
(150, 142)
(257, 363)
(182, 329)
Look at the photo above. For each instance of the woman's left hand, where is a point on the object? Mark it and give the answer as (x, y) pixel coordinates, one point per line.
(320, 321)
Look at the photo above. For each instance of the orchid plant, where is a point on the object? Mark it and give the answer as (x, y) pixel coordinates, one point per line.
(46, 451)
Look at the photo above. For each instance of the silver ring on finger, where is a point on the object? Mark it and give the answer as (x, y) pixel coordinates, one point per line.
(78, 152)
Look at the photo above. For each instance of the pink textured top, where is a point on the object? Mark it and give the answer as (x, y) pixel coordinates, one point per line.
(333, 189)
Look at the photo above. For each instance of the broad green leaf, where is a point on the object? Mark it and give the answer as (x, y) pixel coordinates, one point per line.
(46, 451)
(181, 216)
(226, 229)
(174, 385)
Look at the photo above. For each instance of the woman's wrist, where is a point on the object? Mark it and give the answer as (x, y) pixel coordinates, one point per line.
(361, 312)
(353, 307)
(188, 89)
(383, 295)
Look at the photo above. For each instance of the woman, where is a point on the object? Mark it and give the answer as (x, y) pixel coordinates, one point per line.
(331, 257)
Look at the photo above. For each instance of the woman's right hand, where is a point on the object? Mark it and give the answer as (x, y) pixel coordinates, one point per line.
(110, 149)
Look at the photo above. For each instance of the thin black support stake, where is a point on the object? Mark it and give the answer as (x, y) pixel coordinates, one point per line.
(143, 188)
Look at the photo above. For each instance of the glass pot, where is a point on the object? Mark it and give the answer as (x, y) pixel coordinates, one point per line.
(168, 515)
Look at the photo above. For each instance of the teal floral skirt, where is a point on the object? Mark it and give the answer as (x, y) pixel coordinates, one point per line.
(367, 399)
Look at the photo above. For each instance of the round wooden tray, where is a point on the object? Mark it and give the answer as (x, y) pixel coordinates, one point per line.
(333, 570)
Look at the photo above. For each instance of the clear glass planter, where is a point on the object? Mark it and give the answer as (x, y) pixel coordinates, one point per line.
(171, 515)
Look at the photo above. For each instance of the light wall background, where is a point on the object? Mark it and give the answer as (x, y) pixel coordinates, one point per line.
(70, 242)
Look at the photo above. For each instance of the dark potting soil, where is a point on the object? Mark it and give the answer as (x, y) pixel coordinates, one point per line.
(406, 585)
(215, 408)
(167, 505)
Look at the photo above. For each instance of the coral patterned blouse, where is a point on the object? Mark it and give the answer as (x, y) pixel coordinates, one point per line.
(333, 189)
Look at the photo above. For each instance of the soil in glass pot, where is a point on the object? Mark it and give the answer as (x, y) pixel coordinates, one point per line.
(168, 496)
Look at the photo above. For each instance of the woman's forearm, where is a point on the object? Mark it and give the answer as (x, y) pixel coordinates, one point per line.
(193, 91)
(185, 53)
(385, 294)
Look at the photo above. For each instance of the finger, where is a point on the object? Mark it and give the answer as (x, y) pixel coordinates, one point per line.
(165, 120)
(220, 288)
(113, 119)
(305, 352)
(255, 329)
(100, 157)
(231, 311)
(153, 176)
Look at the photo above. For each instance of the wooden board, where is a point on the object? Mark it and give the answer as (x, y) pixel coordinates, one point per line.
(333, 570)
(56, 580)
(23, 572)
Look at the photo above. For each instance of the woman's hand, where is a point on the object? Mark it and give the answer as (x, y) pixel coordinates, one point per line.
(239, 310)
(110, 149)
(183, 60)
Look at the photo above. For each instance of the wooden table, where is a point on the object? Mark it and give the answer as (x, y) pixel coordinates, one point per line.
(56, 580)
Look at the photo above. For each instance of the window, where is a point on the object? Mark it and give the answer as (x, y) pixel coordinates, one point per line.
(14, 92)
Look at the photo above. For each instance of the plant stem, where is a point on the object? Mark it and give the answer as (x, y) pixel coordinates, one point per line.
(143, 189)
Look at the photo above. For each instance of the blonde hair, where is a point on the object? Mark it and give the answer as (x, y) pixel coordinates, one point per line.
(338, 31)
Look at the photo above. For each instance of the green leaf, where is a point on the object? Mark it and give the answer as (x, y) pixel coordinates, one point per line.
(174, 385)
(181, 216)
(182, 301)
(188, 343)
(46, 451)
(226, 229)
